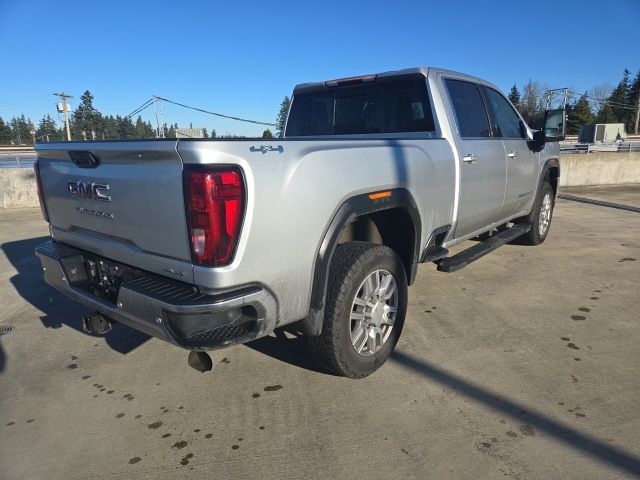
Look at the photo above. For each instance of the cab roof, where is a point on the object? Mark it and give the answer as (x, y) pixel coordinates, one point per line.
(426, 71)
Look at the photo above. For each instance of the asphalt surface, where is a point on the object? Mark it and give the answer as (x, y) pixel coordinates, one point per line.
(524, 365)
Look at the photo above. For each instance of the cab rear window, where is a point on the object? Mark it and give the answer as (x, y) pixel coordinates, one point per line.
(384, 106)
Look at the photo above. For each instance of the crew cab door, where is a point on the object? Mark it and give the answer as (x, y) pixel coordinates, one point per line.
(482, 159)
(522, 161)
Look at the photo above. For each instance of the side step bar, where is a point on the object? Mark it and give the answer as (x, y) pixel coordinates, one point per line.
(464, 258)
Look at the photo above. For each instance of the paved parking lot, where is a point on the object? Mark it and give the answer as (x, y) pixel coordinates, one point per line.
(524, 365)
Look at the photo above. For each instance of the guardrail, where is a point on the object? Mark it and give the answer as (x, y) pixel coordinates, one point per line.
(16, 148)
(622, 147)
(17, 159)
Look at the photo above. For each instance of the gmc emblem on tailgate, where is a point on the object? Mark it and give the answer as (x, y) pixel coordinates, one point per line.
(91, 191)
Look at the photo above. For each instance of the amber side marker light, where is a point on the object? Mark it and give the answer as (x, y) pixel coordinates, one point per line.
(379, 195)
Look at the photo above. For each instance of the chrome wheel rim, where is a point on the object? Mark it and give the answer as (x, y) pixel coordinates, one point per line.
(373, 312)
(545, 214)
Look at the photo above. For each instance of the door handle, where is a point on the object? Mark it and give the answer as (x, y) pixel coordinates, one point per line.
(512, 155)
(470, 158)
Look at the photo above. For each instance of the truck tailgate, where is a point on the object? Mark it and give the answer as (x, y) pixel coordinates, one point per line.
(129, 207)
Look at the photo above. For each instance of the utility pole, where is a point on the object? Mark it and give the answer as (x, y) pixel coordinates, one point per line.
(65, 108)
(552, 92)
(159, 117)
(15, 126)
(637, 116)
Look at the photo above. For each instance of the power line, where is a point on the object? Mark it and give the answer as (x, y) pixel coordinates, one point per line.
(216, 114)
(602, 101)
(140, 108)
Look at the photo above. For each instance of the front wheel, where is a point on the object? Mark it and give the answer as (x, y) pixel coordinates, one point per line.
(540, 216)
(365, 310)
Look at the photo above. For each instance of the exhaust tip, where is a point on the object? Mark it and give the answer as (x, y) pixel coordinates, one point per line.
(201, 361)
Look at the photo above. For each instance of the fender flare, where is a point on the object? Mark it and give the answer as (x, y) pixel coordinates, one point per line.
(352, 208)
(549, 163)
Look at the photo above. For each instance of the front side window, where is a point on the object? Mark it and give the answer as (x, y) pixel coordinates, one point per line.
(507, 120)
(385, 106)
(469, 109)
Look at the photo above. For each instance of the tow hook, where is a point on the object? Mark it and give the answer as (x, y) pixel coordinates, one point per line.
(96, 324)
(201, 361)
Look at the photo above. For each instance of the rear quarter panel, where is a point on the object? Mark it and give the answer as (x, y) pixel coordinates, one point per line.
(294, 190)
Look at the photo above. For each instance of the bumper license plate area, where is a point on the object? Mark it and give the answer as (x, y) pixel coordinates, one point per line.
(98, 276)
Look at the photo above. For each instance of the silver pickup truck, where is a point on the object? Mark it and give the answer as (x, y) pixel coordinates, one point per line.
(209, 243)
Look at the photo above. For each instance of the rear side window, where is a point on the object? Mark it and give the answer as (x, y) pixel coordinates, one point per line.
(385, 106)
(469, 109)
(507, 120)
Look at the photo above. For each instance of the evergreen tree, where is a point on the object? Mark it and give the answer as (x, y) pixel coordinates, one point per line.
(47, 130)
(5, 133)
(213, 133)
(281, 119)
(620, 97)
(514, 95)
(580, 115)
(110, 128)
(205, 134)
(605, 115)
(87, 121)
(634, 100)
(267, 135)
(21, 128)
(143, 130)
(124, 128)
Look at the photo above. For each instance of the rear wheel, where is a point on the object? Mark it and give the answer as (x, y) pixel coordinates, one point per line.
(365, 310)
(540, 216)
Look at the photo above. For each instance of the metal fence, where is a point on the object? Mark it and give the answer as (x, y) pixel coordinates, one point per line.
(623, 147)
(17, 160)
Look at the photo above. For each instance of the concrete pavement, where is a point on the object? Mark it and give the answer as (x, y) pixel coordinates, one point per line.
(524, 365)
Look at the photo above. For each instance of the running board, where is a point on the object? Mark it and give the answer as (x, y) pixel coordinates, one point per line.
(464, 258)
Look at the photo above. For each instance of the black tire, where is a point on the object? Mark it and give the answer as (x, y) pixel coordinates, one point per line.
(535, 236)
(352, 263)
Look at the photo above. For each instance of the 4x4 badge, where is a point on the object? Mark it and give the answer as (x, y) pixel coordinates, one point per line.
(266, 148)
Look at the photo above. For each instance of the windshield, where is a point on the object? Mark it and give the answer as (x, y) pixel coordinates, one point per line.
(386, 106)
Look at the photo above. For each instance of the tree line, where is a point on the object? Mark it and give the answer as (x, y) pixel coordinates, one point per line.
(601, 104)
(86, 123)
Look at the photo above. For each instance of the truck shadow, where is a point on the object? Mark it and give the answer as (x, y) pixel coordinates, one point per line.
(530, 420)
(288, 349)
(57, 309)
(291, 349)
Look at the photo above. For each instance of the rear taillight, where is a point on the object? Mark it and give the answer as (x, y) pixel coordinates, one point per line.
(214, 201)
(43, 206)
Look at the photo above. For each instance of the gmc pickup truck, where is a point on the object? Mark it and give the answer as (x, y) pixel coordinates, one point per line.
(210, 243)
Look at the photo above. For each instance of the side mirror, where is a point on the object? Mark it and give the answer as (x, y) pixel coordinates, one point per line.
(555, 123)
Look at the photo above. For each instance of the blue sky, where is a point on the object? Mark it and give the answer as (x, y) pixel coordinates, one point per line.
(241, 58)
